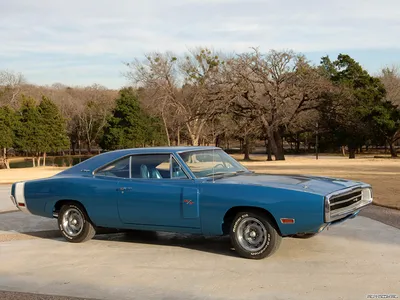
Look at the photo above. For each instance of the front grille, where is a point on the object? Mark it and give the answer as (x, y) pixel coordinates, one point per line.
(341, 204)
(342, 201)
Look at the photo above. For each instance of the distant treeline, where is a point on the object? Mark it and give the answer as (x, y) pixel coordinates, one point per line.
(205, 97)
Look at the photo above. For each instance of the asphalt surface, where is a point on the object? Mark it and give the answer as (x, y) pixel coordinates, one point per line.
(348, 261)
(6, 295)
(384, 215)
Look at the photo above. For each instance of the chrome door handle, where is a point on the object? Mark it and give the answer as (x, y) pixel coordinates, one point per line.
(121, 189)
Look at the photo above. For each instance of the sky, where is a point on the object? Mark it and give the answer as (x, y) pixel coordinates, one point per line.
(87, 41)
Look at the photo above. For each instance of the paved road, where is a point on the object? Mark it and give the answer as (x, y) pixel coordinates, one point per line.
(348, 261)
(7, 295)
(5, 202)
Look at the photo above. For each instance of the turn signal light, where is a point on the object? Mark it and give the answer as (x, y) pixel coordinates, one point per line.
(287, 221)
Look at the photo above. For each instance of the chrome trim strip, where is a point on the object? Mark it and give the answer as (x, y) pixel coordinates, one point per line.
(130, 165)
(183, 167)
(109, 163)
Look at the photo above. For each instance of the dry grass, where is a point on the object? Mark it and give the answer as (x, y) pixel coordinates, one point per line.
(21, 174)
(382, 174)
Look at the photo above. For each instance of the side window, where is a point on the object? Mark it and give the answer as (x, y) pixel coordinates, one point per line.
(177, 171)
(119, 168)
(150, 166)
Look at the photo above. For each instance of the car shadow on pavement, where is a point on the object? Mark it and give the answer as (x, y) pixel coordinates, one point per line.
(216, 245)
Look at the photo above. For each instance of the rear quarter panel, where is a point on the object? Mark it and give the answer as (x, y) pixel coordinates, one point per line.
(97, 195)
(216, 199)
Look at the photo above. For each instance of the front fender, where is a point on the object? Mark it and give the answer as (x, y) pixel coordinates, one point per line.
(307, 209)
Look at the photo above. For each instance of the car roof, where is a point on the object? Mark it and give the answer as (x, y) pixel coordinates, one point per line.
(99, 160)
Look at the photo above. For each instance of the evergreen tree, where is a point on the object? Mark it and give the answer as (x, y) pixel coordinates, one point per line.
(53, 127)
(347, 111)
(30, 136)
(7, 137)
(129, 126)
(40, 128)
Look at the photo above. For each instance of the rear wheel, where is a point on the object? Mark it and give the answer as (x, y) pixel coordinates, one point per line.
(254, 236)
(74, 224)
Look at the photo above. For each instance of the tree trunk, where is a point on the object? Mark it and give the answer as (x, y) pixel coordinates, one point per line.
(166, 130)
(246, 146)
(217, 140)
(89, 148)
(44, 159)
(272, 143)
(269, 150)
(195, 140)
(73, 145)
(393, 151)
(297, 144)
(279, 154)
(352, 152)
(178, 136)
(343, 150)
(5, 159)
(79, 147)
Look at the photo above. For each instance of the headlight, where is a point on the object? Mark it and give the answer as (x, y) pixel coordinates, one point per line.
(366, 195)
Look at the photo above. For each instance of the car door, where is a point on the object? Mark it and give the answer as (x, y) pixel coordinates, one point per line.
(103, 207)
(158, 193)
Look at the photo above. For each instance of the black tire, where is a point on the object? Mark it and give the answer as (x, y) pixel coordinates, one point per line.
(264, 230)
(79, 227)
(304, 235)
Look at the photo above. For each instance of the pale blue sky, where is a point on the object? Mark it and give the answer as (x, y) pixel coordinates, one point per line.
(84, 42)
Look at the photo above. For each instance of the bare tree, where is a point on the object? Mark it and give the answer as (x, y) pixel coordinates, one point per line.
(390, 78)
(278, 87)
(182, 86)
(10, 87)
(92, 106)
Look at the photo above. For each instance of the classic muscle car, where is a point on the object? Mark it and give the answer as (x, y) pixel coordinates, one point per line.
(197, 190)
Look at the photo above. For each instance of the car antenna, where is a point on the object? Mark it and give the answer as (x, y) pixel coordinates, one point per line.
(213, 175)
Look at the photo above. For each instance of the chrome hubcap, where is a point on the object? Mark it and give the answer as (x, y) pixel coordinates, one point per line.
(72, 222)
(251, 234)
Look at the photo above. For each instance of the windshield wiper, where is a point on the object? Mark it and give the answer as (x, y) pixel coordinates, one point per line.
(219, 174)
(240, 171)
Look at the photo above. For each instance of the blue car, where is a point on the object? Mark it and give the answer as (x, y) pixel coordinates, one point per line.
(196, 190)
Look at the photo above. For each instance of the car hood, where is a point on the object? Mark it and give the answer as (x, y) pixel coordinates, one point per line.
(312, 184)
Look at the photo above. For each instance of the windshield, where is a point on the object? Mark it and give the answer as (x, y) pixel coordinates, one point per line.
(205, 163)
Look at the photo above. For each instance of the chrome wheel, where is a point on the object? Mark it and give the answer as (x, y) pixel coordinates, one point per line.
(251, 234)
(72, 222)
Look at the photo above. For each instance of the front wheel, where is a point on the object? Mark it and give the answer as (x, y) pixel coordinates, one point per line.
(254, 236)
(74, 223)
